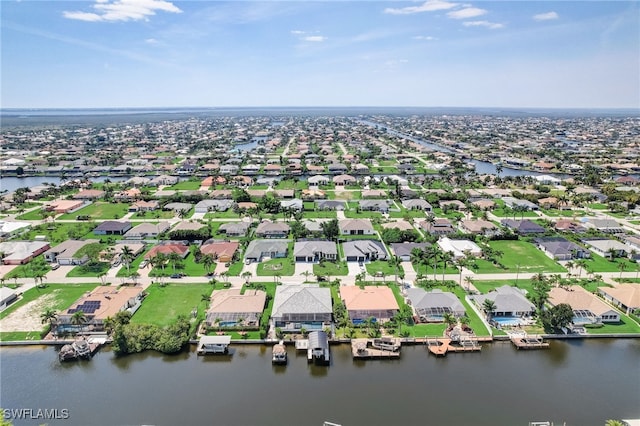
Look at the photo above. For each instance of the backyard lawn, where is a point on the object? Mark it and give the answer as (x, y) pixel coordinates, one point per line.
(164, 304)
(99, 211)
(626, 325)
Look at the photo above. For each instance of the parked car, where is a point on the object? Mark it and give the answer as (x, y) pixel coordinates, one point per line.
(55, 266)
(143, 264)
(176, 276)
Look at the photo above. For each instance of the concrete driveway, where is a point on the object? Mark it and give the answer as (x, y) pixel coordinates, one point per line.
(58, 274)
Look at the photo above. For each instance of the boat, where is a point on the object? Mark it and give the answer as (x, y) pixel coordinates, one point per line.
(279, 353)
(78, 349)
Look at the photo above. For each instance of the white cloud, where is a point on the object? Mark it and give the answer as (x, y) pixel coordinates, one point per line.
(487, 24)
(122, 10)
(428, 38)
(315, 39)
(428, 6)
(297, 32)
(469, 12)
(151, 41)
(549, 16)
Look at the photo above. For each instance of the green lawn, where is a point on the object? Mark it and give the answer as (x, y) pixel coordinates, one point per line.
(57, 232)
(156, 214)
(597, 206)
(599, 264)
(235, 268)
(229, 214)
(123, 272)
(99, 211)
(187, 185)
(163, 304)
(324, 214)
(564, 213)
(89, 271)
(382, 267)
(353, 214)
(521, 256)
(510, 214)
(291, 184)
(330, 269)
(408, 213)
(59, 296)
(284, 267)
(32, 215)
(626, 325)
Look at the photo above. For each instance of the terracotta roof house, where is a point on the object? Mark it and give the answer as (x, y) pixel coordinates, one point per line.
(371, 301)
(256, 193)
(484, 204)
(221, 194)
(313, 194)
(374, 193)
(315, 250)
(400, 224)
(363, 250)
(285, 193)
(64, 206)
(234, 229)
(112, 227)
(65, 252)
(568, 225)
(356, 227)
(624, 296)
(168, 247)
(297, 306)
(223, 251)
(229, 308)
(430, 306)
(21, 252)
(587, 307)
(268, 229)
(144, 206)
(128, 195)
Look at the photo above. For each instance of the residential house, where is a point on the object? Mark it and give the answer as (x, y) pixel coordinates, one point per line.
(222, 251)
(363, 250)
(206, 206)
(452, 204)
(430, 306)
(459, 248)
(523, 227)
(331, 205)
(441, 226)
(400, 224)
(608, 226)
(509, 302)
(337, 169)
(587, 307)
(7, 296)
(178, 207)
(417, 204)
(21, 252)
(285, 193)
(483, 203)
(371, 301)
(229, 308)
(89, 194)
(568, 225)
(295, 204)
(268, 229)
(403, 250)
(144, 206)
(297, 306)
(8, 229)
(65, 252)
(559, 248)
(257, 250)
(479, 227)
(315, 251)
(64, 206)
(234, 229)
(313, 194)
(608, 248)
(374, 193)
(381, 206)
(624, 296)
(344, 180)
(518, 203)
(168, 247)
(356, 227)
(147, 230)
(318, 180)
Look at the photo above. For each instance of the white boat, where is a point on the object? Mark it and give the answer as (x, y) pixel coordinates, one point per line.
(279, 353)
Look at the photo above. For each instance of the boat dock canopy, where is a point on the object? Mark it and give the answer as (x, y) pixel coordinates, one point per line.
(214, 340)
(318, 340)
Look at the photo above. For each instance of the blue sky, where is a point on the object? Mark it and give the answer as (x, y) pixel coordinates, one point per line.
(141, 53)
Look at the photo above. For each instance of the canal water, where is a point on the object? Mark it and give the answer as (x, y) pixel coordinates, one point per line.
(578, 382)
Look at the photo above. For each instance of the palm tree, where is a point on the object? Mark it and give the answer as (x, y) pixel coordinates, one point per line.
(174, 258)
(49, 316)
(248, 274)
(127, 257)
(622, 266)
(464, 321)
(446, 257)
(207, 261)
(581, 264)
(450, 320)
(489, 306)
(159, 260)
(469, 281)
(79, 318)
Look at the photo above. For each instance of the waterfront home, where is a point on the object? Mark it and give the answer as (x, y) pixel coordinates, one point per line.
(101, 303)
(163, 180)
(315, 251)
(403, 250)
(317, 180)
(439, 227)
(624, 296)
(356, 227)
(509, 302)
(430, 306)
(222, 251)
(608, 226)
(587, 307)
(147, 230)
(272, 248)
(559, 248)
(318, 347)
(65, 252)
(331, 205)
(88, 194)
(268, 229)
(338, 169)
(363, 250)
(168, 247)
(213, 345)
(479, 227)
(229, 308)
(608, 248)
(21, 252)
(297, 306)
(523, 227)
(417, 204)
(459, 248)
(234, 229)
(344, 180)
(371, 301)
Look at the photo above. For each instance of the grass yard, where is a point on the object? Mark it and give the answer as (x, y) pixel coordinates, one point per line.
(330, 269)
(382, 267)
(156, 214)
(99, 211)
(353, 214)
(408, 213)
(599, 264)
(520, 256)
(321, 214)
(510, 214)
(625, 326)
(89, 271)
(61, 296)
(57, 232)
(235, 268)
(164, 304)
(31, 215)
(283, 266)
(187, 185)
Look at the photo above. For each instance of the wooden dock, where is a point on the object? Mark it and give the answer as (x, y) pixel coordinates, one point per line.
(529, 342)
(442, 346)
(365, 349)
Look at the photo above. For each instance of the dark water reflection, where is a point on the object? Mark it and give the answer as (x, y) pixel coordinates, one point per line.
(580, 383)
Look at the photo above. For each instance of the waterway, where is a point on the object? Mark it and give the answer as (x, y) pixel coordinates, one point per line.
(578, 382)
(11, 183)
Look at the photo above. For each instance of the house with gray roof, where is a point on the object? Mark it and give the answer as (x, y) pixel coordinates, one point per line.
(509, 302)
(403, 250)
(206, 206)
(318, 180)
(608, 226)
(297, 306)
(315, 250)
(147, 230)
(293, 204)
(523, 227)
(364, 250)
(430, 306)
(272, 248)
(417, 204)
(381, 206)
(559, 248)
(234, 229)
(331, 205)
(112, 227)
(65, 252)
(513, 202)
(356, 227)
(268, 229)
(606, 247)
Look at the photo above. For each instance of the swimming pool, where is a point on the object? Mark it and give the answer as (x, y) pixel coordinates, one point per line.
(508, 321)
